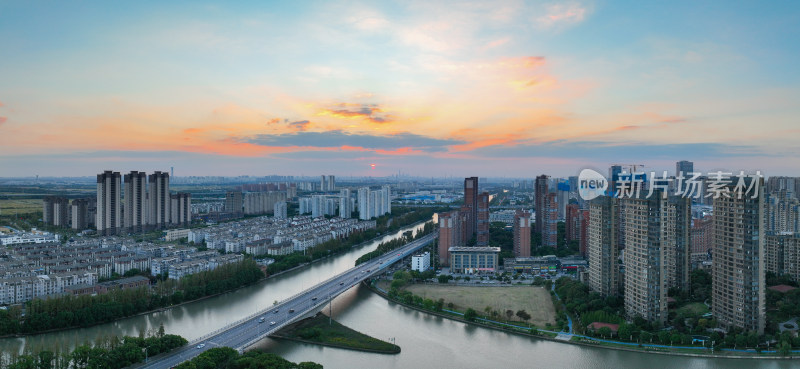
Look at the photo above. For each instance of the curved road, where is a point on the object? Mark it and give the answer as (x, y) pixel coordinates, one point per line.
(247, 331)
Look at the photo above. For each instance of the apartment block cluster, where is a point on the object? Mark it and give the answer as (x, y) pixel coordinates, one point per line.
(643, 245)
(276, 236)
(371, 203)
(260, 199)
(458, 228)
(147, 203)
(552, 203)
(79, 215)
(40, 270)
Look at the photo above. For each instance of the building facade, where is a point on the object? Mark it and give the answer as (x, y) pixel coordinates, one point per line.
(602, 246)
(450, 235)
(474, 260)
(158, 200)
(522, 234)
(135, 211)
(541, 189)
(109, 203)
(482, 234)
(738, 270)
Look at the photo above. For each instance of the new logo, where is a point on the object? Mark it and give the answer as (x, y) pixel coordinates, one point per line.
(591, 184)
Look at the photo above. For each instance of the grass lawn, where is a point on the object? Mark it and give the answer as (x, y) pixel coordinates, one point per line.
(20, 206)
(318, 329)
(534, 300)
(695, 308)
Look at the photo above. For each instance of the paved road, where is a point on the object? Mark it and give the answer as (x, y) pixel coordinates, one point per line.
(248, 331)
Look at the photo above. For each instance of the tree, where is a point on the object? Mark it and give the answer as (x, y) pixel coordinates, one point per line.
(443, 278)
(625, 331)
(604, 332)
(522, 314)
(784, 348)
(663, 337)
(646, 337)
(470, 315)
(509, 314)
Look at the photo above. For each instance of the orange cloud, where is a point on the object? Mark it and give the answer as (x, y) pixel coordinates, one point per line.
(368, 112)
(562, 14)
(3, 120)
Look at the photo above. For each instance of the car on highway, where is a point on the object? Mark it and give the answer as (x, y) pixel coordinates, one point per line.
(313, 299)
(201, 345)
(341, 283)
(276, 311)
(261, 320)
(291, 310)
(271, 323)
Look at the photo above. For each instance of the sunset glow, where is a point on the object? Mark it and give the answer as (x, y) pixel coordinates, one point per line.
(506, 88)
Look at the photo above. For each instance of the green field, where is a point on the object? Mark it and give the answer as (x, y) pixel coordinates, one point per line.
(536, 301)
(20, 206)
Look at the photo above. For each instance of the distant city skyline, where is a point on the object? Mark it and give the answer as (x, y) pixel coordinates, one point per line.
(510, 89)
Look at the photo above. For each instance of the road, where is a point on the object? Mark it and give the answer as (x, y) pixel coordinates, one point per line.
(250, 330)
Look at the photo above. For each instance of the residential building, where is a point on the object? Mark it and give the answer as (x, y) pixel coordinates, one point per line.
(657, 240)
(602, 246)
(572, 223)
(783, 212)
(541, 190)
(549, 217)
(782, 254)
(471, 205)
(159, 200)
(562, 194)
(327, 183)
(483, 220)
(522, 234)
(345, 204)
(80, 214)
(109, 203)
(421, 262)
(583, 245)
(702, 239)
(738, 270)
(279, 210)
(450, 235)
(55, 211)
(135, 210)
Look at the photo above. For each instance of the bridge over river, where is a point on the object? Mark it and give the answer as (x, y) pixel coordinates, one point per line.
(247, 331)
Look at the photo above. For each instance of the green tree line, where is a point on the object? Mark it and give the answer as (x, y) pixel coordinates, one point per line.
(112, 354)
(228, 358)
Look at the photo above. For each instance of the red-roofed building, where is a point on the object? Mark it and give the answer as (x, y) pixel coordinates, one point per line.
(782, 288)
(597, 325)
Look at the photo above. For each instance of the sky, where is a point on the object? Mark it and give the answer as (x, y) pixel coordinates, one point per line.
(431, 88)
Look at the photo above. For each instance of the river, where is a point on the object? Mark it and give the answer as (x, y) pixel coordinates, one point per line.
(427, 341)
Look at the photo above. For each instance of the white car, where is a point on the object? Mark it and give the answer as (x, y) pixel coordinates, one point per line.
(201, 345)
(271, 323)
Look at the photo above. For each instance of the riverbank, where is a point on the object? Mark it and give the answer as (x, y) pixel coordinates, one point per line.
(321, 330)
(584, 341)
